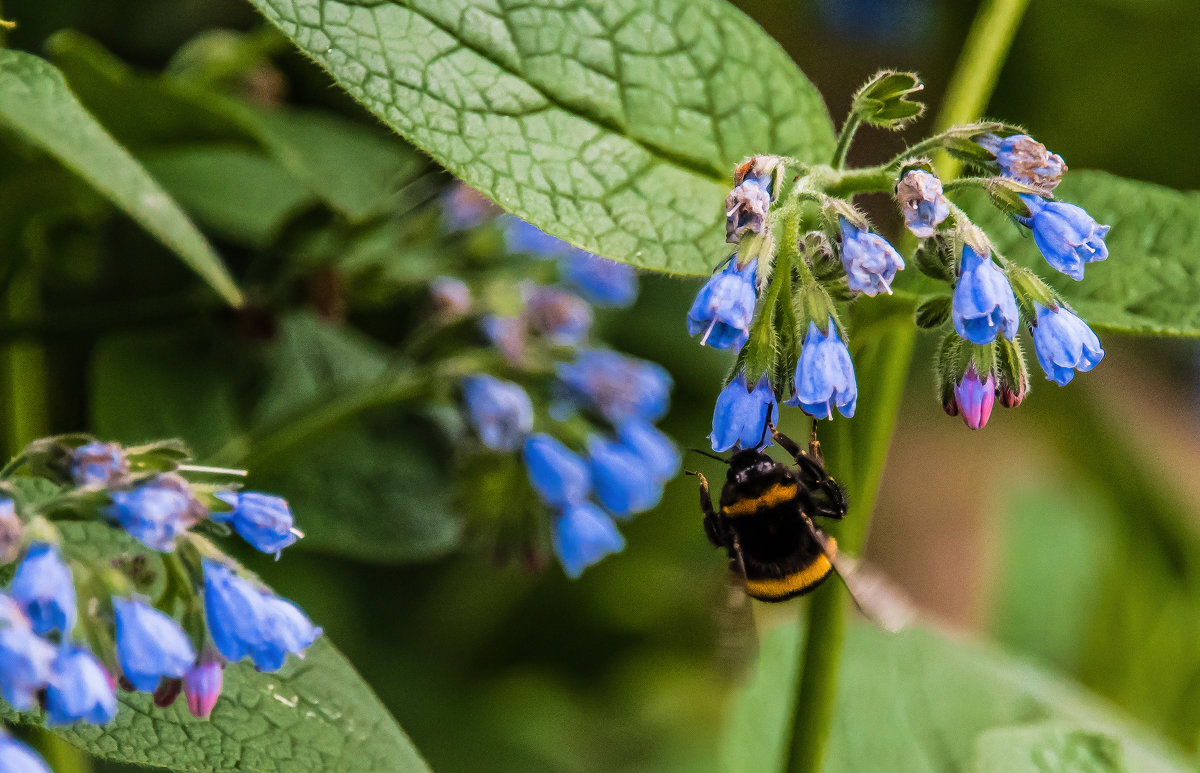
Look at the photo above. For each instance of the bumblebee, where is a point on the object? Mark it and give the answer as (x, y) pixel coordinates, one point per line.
(765, 523)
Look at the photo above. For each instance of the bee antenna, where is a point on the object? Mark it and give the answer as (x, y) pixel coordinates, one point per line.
(710, 456)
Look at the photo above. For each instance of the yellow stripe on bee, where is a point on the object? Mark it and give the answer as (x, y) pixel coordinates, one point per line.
(782, 587)
(776, 495)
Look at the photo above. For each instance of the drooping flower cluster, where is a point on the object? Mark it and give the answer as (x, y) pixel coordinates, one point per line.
(582, 417)
(68, 658)
(805, 253)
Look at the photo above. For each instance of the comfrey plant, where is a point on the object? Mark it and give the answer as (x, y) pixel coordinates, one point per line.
(804, 251)
(588, 443)
(165, 615)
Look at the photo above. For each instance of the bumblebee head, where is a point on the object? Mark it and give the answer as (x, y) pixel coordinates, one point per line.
(747, 465)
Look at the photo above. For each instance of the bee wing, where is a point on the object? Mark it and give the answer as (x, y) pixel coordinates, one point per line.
(737, 636)
(876, 596)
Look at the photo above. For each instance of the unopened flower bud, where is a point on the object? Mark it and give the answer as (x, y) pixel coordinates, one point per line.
(975, 397)
(202, 684)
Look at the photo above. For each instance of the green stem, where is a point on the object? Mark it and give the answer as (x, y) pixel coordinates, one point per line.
(298, 427)
(858, 450)
(849, 129)
(61, 756)
(978, 67)
(24, 369)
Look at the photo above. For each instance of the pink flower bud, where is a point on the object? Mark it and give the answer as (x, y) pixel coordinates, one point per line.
(975, 397)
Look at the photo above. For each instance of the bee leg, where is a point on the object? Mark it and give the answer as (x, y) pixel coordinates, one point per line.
(712, 523)
(786, 443)
(814, 445)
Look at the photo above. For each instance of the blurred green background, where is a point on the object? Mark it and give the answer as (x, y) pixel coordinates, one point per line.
(1066, 531)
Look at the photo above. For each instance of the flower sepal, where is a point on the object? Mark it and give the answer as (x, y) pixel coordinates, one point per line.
(884, 100)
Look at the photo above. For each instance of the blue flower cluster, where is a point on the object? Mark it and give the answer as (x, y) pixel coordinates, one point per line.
(45, 656)
(819, 378)
(775, 301)
(591, 451)
(986, 310)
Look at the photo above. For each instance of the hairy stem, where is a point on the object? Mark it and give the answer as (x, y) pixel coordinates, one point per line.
(845, 137)
(859, 448)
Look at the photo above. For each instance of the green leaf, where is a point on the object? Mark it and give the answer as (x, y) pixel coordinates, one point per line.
(315, 715)
(1151, 280)
(153, 385)
(929, 701)
(1048, 748)
(355, 169)
(615, 126)
(238, 193)
(36, 103)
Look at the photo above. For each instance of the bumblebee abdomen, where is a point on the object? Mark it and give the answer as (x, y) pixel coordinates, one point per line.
(792, 584)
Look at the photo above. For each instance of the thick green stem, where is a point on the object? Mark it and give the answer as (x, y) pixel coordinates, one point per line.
(858, 449)
(849, 129)
(24, 370)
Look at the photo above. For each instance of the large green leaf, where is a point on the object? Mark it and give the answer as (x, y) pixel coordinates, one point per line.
(920, 701)
(313, 716)
(36, 104)
(237, 192)
(1151, 281)
(354, 168)
(612, 124)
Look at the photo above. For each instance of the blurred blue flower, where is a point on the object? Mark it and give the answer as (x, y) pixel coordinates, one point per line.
(507, 334)
(1023, 158)
(1067, 235)
(150, 645)
(1064, 344)
(202, 685)
(43, 588)
(96, 465)
(621, 481)
(80, 689)
(464, 207)
(583, 534)
(522, 238)
(244, 621)
(16, 757)
(984, 304)
(25, 658)
(451, 297)
(500, 412)
(557, 473)
(656, 451)
(562, 317)
(870, 261)
(155, 513)
(975, 397)
(724, 307)
(265, 521)
(741, 415)
(922, 202)
(602, 281)
(825, 374)
(616, 386)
